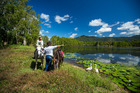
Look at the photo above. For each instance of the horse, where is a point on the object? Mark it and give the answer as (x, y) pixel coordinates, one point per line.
(39, 55)
(58, 58)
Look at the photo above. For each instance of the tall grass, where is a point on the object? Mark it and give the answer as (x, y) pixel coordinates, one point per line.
(17, 75)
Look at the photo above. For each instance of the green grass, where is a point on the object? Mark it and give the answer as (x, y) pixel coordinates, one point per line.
(17, 75)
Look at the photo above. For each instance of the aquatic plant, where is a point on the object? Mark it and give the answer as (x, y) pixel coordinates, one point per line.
(125, 76)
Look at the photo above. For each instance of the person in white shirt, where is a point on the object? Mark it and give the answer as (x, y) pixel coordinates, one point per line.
(38, 44)
(49, 54)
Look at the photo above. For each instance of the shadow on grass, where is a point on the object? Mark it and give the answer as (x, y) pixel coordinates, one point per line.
(38, 65)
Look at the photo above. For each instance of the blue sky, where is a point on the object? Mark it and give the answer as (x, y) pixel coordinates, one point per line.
(101, 18)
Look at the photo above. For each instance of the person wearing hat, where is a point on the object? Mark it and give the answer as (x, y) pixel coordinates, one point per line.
(38, 44)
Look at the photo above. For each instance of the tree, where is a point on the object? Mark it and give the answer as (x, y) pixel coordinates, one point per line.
(18, 22)
(45, 39)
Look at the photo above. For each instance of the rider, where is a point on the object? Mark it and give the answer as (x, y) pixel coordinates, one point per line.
(49, 53)
(38, 44)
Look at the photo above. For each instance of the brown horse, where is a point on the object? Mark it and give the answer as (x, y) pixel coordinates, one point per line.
(58, 58)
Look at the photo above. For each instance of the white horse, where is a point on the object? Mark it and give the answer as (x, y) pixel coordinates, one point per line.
(39, 55)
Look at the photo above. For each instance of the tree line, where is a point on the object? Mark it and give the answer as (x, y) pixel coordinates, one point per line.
(135, 43)
(74, 42)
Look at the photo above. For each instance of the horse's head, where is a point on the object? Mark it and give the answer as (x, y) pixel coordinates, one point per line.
(58, 54)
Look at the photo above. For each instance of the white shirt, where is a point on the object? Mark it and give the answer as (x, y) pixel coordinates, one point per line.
(49, 50)
(39, 43)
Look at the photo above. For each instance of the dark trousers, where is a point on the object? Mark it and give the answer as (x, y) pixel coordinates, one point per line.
(48, 63)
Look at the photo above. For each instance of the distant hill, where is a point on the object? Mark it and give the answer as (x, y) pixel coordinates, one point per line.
(93, 38)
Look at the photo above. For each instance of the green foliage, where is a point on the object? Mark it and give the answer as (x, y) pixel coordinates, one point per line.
(56, 40)
(19, 22)
(45, 40)
(133, 41)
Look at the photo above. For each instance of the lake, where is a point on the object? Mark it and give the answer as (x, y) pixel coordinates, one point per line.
(127, 56)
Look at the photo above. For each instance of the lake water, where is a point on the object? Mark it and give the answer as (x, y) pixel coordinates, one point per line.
(128, 56)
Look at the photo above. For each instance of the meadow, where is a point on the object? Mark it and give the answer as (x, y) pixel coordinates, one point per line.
(17, 74)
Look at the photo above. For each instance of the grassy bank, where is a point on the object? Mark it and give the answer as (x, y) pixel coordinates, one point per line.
(17, 75)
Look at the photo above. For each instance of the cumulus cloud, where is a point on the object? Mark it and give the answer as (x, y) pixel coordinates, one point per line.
(48, 25)
(89, 31)
(96, 22)
(138, 21)
(76, 28)
(105, 27)
(59, 19)
(130, 28)
(45, 16)
(73, 35)
(111, 35)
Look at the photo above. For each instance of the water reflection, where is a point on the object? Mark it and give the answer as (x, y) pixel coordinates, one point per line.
(108, 55)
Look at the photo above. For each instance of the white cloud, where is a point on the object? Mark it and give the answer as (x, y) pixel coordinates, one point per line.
(96, 22)
(76, 28)
(89, 31)
(44, 16)
(123, 33)
(66, 15)
(130, 28)
(115, 24)
(58, 19)
(73, 35)
(100, 34)
(48, 25)
(105, 27)
(42, 32)
(138, 21)
(47, 31)
(111, 35)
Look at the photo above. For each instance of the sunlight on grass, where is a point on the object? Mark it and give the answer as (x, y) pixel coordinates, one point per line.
(18, 75)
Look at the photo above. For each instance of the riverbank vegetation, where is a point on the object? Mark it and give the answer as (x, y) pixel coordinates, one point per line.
(77, 42)
(126, 76)
(18, 75)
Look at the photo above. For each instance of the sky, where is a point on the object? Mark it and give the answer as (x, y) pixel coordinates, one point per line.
(100, 18)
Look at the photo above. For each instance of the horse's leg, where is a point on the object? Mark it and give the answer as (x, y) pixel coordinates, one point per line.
(42, 61)
(61, 61)
(59, 64)
(36, 64)
(54, 65)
